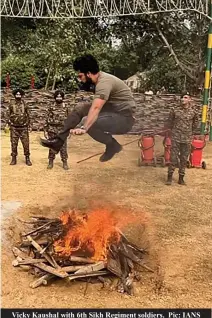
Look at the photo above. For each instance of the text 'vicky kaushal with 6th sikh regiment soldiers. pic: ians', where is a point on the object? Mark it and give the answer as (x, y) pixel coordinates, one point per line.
(110, 113)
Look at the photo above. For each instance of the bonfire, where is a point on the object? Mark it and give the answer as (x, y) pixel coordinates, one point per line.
(79, 246)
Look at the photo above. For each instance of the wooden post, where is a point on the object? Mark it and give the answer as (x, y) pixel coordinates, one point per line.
(8, 80)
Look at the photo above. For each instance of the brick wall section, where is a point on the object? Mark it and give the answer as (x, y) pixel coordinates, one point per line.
(151, 113)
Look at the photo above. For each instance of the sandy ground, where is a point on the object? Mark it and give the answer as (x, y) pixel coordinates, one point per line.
(177, 231)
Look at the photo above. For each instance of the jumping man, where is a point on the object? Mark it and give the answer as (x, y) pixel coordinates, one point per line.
(111, 111)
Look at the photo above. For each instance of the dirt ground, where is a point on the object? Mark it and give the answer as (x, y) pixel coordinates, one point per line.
(177, 232)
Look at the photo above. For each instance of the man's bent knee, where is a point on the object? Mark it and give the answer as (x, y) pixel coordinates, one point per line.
(82, 108)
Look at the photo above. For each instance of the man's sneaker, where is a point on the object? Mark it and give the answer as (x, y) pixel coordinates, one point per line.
(111, 149)
(54, 144)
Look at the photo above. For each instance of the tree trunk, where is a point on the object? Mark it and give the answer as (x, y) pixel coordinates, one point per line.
(187, 70)
(54, 80)
(184, 85)
(48, 76)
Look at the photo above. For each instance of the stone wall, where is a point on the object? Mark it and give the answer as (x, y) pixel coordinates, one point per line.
(151, 113)
(153, 110)
(38, 102)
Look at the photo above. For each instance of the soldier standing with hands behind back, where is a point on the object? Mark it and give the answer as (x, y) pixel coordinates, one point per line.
(56, 115)
(19, 121)
(182, 121)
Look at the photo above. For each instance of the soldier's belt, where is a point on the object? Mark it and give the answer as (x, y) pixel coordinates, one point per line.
(20, 127)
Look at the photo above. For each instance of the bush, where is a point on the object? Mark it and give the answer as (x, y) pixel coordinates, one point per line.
(20, 70)
(165, 73)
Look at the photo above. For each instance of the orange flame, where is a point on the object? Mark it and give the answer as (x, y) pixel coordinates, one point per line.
(88, 235)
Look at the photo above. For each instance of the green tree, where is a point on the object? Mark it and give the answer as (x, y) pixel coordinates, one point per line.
(20, 70)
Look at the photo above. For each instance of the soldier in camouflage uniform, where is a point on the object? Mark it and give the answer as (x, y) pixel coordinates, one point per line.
(182, 122)
(56, 115)
(19, 121)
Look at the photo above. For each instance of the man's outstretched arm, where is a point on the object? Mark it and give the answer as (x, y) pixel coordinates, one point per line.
(94, 112)
(91, 118)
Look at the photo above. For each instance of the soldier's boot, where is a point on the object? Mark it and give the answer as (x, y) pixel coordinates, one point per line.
(28, 162)
(169, 178)
(51, 163)
(13, 161)
(65, 165)
(181, 180)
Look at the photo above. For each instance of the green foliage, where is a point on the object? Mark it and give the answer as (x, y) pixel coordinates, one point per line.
(165, 73)
(180, 37)
(20, 70)
(47, 48)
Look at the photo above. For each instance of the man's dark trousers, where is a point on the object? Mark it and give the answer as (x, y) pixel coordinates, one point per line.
(106, 125)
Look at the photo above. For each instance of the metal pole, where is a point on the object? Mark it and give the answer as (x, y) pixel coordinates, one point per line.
(210, 112)
(210, 115)
(207, 79)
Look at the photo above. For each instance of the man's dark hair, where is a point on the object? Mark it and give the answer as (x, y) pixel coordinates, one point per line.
(57, 92)
(86, 63)
(18, 90)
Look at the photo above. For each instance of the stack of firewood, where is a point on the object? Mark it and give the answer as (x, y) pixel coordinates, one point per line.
(36, 252)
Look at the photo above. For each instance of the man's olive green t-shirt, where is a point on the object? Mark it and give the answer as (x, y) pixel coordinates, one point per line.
(116, 93)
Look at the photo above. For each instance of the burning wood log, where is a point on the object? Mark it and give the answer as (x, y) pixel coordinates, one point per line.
(28, 261)
(72, 269)
(85, 246)
(91, 274)
(40, 249)
(81, 260)
(91, 268)
(42, 242)
(41, 281)
(49, 269)
(114, 266)
(39, 228)
(18, 253)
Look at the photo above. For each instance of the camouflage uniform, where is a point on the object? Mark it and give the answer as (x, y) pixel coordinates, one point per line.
(56, 115)
(19, 121)
(182, 121)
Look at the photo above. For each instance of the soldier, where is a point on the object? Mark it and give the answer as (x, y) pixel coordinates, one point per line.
(182, 122)
(19, 121)
(56, 115)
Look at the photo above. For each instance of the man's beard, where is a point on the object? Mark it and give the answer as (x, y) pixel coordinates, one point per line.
(88, 80)
(88, 86)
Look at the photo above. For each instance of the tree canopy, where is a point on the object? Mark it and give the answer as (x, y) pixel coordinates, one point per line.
(169, 48)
